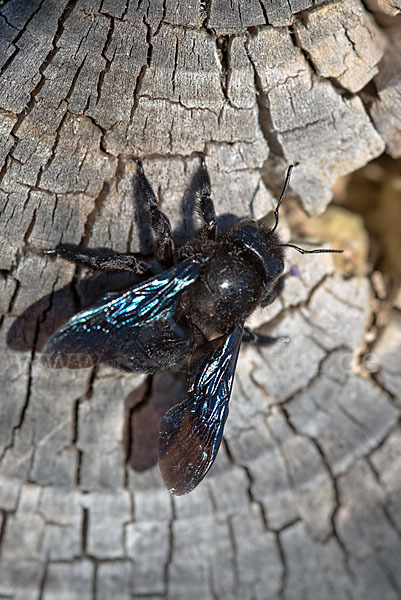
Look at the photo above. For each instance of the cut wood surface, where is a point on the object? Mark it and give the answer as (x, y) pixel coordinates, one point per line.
(304, 499)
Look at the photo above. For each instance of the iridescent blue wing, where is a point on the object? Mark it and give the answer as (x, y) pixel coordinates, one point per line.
(102, 332)
(191, 432)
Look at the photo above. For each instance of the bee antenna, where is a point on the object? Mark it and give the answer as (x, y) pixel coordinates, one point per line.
(283, 192)
(315, 251)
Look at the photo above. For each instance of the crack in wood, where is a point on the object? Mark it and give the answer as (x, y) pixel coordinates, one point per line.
(97, 208)
(108, 64)
(84, 531)
(75, 423)
(395, 526)
(174, 69)
(234, 547)
(223, 53)
(43, 580)
(90, 219)
(2, 16)
(128, 435)
(171, 546)
(297, 43)
(162, 18)
(4, 516)
(264, 115)
(11, 58)
(31, 103)
(14, 295)
(53, 151)
(49, 57)
(284, 574)
(334, 480)
(302, 389)
(191, 109)
(253, 500)
(94, 579)
(143, 69)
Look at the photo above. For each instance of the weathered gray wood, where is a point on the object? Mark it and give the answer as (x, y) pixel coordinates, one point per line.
(237, 16)
(386, 107)
(342, 43)
(304, 499)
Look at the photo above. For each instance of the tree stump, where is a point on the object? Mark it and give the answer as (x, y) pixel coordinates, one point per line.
(304, 499)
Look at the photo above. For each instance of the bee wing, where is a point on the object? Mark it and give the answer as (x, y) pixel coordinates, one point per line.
(191, 432)
(100, 333)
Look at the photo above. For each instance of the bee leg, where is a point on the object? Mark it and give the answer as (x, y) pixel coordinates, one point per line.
(158, 220)
(203, 192)
(100, 259)
(251, 337)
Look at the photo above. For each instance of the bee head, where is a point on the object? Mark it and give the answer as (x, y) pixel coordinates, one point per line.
(263, 244)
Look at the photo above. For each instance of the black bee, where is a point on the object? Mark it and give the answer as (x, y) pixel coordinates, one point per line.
(192, 312)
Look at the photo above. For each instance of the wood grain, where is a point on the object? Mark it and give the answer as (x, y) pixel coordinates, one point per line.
(304, 499)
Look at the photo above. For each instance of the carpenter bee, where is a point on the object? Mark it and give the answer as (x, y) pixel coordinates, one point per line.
(191, 310)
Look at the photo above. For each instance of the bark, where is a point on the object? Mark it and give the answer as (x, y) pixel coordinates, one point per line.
(304, 498)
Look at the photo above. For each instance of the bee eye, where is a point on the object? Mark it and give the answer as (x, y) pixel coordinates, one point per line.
(274, 267)
(243, 224)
